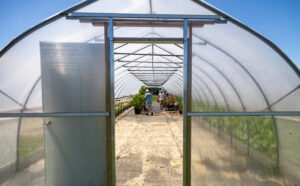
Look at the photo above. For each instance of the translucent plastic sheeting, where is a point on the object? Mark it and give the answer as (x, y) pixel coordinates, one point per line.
(20, 69)
(257, 73)
(224, 153)
(143, 6)
(289, 135)
(232, 70)
(22, 152)
(144, 69)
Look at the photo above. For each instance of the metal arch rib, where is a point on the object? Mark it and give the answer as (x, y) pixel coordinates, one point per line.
(218, 87)
(226, 78)
(20, 122)
(258, 86)
(123, 83)
(250, 30)
(240, 65)
(204, 94)
(210, 91)
(122, 89)
(256, 83)
(177, 84)
(44, 23)
(11, 98)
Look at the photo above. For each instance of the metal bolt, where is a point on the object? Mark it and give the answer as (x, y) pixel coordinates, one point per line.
(48, 122)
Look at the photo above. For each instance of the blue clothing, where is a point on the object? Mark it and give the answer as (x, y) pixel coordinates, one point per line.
(148, 97)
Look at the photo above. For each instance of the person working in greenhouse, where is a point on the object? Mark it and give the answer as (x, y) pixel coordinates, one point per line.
(161, 97)
(148, 99)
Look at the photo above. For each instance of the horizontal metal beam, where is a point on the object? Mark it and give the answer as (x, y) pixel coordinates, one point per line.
(145, 54)
(163, 67)
(153, 70)
(137, 23)
(243, 114)
(76, 15)
(148, 40)
(151, 73)
(57, 114)
(154, 85)
(123, 61)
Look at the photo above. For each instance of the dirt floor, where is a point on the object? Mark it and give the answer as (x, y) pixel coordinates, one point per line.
(149, 148)
(149, 152)
(214, 162)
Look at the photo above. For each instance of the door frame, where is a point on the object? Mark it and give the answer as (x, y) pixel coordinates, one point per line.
(109, 36)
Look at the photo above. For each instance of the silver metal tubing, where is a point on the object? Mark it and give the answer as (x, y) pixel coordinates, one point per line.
(171, 53)
(243, 114)
(122, 84)
(139, 67)
(76, 15)
(236, 61)
(58, 114)
(284, 96)
(136, 59)
(186, 153)
(44, 23)
(128, 54)
(153, 70)
(116, 48)
(123, 61)
(152, 73)
(147, 40)
(261, 37)
(146, 54)
(11, 98)
(235, 91)
(112, 102)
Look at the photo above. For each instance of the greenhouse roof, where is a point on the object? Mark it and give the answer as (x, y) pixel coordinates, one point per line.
(81, 60)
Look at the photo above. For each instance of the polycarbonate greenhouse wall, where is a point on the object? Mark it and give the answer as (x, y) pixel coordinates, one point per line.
(233, 69)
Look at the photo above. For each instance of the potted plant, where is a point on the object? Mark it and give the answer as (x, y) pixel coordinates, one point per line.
(137, 102)
(179, 101)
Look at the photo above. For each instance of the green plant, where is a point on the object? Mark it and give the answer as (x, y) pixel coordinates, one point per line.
(137, 101)
(179, 101)
(142, 90)
(261, 129)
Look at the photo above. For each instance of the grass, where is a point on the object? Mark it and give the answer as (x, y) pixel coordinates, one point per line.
(30, 145)
(261, 129)
(289, 139)
(154, 98)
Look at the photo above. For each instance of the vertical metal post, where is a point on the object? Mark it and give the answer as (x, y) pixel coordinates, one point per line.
(186, 105)
(112, 101)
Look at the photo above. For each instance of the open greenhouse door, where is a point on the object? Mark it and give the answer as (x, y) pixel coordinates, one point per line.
(73, 81)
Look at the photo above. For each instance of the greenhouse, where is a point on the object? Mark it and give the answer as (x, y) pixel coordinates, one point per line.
(68, 84)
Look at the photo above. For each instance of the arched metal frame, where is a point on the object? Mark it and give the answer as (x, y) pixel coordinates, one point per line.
(204, 4)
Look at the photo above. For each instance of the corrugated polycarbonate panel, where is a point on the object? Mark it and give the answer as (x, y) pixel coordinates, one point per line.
(73, 79)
